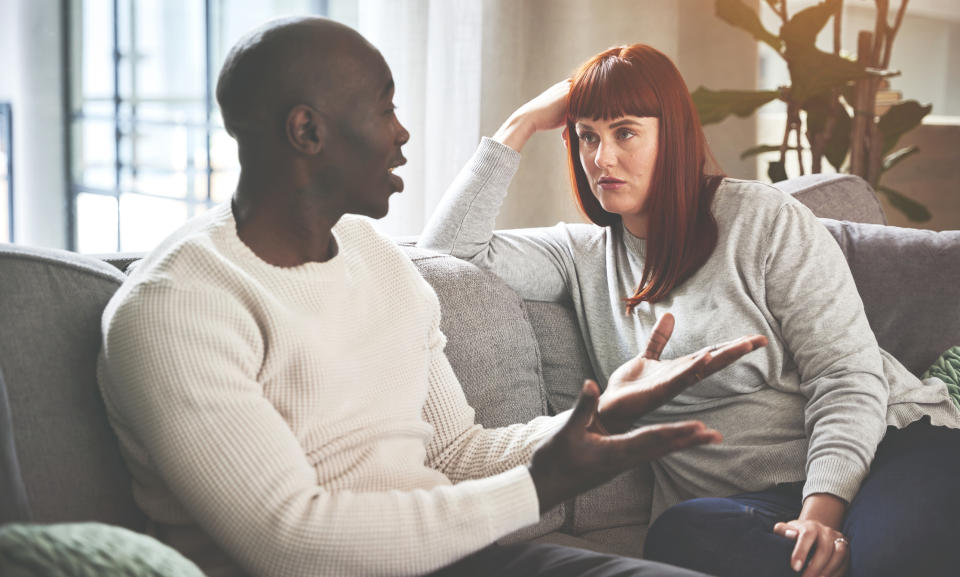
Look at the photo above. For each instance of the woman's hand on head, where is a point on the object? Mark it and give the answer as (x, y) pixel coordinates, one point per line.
(545, 112)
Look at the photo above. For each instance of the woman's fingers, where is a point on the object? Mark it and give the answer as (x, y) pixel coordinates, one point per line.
(837, 566)
(660, 336)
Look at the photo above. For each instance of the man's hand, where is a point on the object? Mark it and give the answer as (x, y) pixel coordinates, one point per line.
(643, 383)
(582, 455)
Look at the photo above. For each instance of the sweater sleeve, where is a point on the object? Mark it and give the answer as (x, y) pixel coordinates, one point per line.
(462, 449)
(811, 293)
(534, 261)
(181, 374)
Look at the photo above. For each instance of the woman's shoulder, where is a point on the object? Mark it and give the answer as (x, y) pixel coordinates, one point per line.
(750, 200)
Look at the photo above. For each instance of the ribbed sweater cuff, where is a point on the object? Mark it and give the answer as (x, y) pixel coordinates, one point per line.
(511, 501)
(493, 158)
(834, 475)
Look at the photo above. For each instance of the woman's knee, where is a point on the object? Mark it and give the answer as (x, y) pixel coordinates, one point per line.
(691, 523)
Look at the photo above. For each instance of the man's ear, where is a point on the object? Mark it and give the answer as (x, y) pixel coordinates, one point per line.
(306, 129)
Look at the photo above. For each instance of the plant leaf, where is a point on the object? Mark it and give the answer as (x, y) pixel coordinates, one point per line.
(806, 24)
(736, 13)
(818, 110)
(715, 105)
(759, 150)
(895, 158)
(911, 208)
(813, 71)
(900, 119)
(776, 171)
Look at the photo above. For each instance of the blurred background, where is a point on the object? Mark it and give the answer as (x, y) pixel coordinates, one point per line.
(110, 135)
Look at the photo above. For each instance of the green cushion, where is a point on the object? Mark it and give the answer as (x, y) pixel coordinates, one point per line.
(86, 550)
(947, 369)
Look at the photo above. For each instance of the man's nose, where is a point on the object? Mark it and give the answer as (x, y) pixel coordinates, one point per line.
(402, 135)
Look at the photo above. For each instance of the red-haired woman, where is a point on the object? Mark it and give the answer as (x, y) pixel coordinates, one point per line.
(790, 490)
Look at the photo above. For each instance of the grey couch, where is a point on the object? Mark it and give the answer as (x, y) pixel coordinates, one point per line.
(515, 359)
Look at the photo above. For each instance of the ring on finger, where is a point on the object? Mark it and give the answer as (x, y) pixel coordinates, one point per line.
(840, 541)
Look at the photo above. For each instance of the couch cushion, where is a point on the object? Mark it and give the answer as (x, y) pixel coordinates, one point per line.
(490, 343)
(836, 196)
(909, 281)
(13, 496)
(50, 307)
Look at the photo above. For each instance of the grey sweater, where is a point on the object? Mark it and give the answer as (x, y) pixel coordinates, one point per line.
(812, 405)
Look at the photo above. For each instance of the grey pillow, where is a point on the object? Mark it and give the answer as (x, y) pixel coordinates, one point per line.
(14, 505)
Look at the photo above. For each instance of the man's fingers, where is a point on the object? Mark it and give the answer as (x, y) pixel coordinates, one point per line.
(654, 441)
(586, 407)
(659, 337)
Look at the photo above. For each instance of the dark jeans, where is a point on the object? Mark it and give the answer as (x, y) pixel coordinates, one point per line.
(903, 521)
(535, 560)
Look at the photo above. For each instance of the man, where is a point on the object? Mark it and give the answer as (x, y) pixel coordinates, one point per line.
(275, 369)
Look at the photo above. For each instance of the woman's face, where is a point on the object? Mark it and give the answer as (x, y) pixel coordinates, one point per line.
(618, 156)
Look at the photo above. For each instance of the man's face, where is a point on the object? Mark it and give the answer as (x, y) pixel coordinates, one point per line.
(364, 145)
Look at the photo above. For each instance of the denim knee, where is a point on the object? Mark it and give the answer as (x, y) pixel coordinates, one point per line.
(690, 524)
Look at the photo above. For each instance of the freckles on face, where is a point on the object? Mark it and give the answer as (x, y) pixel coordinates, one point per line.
(618, 156)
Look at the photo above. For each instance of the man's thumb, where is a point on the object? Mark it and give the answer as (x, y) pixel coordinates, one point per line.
(586, 407)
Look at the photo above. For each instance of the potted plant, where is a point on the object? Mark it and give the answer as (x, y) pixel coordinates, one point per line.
(831, 100)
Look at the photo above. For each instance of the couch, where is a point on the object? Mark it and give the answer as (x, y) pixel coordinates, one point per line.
(515, 359)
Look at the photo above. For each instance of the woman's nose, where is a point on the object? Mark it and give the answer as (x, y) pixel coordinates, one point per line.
(605, 156)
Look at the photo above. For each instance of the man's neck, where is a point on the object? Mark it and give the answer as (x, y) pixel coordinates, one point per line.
(287, 229)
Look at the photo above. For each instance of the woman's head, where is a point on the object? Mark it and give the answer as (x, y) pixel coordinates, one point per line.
(637, 153)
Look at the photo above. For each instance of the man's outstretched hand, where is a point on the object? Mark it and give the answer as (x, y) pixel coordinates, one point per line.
(584, 453)
(643, 383)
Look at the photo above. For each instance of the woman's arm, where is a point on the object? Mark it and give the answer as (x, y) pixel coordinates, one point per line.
(534, 262)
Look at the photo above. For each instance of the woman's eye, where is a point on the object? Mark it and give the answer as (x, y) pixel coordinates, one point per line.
(588, 137)
(624, 134)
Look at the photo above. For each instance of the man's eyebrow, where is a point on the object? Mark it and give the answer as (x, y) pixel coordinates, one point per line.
(387, 90)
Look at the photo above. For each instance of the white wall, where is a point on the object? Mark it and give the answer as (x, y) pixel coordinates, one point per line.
(32, 80)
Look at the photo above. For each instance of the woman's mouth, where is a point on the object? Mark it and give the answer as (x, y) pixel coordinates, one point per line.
(610, 183)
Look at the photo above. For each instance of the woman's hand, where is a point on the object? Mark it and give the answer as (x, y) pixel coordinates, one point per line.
(643, 383)
(816, 529)
(545, 112)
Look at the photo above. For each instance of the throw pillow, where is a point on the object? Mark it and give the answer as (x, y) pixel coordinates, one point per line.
(947, 369)
(87, 550)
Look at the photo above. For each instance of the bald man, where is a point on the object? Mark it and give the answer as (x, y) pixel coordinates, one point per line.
(275, 368)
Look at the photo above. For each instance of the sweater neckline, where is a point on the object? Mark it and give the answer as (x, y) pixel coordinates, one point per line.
(227, 224)
(634, 244)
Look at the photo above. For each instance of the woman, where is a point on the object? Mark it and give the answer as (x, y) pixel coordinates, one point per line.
(788, 491)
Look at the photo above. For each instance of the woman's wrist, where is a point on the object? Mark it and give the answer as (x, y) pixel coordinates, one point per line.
(824, 508)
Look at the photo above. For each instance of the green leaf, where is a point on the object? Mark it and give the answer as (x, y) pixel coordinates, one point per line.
(900, 119)
(759, 150)
(776, 171)
(818, 111)
(736, 13)
(805, 25)
(814, 72)
(911, 208)
(715, 105)
(895, 158)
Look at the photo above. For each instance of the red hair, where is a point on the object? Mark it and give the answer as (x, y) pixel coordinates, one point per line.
(639, 80)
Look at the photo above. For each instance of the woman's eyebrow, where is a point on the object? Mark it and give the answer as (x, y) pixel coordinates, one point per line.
(625, 122)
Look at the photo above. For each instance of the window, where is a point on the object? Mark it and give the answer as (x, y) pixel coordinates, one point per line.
(147, 144)
(6, 173)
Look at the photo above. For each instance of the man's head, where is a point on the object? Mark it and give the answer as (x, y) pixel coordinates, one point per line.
(311, 101)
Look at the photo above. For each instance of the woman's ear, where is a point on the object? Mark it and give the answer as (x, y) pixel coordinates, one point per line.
(565, 135)
(306, 129)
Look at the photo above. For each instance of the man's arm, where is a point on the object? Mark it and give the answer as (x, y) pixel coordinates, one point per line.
(181, 373)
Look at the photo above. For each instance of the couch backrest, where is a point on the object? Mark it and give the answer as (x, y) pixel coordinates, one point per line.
(909, 281)
(50, 307)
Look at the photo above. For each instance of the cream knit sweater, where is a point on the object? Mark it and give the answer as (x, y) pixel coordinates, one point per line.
(305, 418)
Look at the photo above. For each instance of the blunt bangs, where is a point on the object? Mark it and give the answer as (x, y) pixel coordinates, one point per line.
(610, 86)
